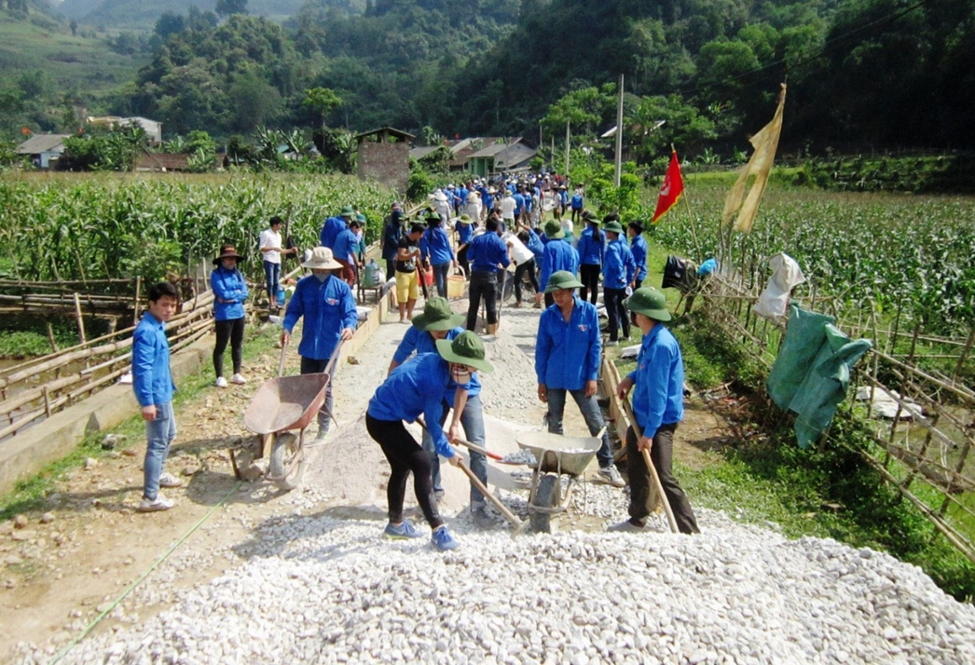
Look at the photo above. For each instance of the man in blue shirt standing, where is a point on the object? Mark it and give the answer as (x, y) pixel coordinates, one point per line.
(328, 307)
(618, 273)
(435, 248)
(153, 385)
(658, 406)
(567, 353)
(557, 255)
(488, 254)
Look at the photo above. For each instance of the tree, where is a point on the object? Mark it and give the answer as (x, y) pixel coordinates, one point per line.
(230, 7)
(321, 101)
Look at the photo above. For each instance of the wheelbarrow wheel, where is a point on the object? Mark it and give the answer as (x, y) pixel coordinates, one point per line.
(287, 461)
(546, 496)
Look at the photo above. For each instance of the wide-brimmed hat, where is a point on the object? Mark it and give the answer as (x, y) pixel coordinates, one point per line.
(492, 190)
(347, 211)
(613, 227)
(227, 252)
(562, 187)
(466, 349)
(650, 302)
(321, 259)
(438, 196)
(562, 279)
(554, 230)
(589, 217)
(437, 315)
(465, 219)
(432, 216)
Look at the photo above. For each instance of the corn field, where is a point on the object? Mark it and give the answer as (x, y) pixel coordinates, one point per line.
(108, 226)
(882, 254)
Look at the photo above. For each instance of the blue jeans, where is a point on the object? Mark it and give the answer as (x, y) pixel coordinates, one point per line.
(272, 271)
(159, 434)
(440, 278)
(590, 412)
(472, 420)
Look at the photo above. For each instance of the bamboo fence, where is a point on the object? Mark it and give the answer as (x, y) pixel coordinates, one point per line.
(930, 438)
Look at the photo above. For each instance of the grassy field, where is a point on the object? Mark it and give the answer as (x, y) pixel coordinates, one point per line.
(74, 63)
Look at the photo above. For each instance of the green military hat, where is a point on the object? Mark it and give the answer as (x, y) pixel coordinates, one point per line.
(650, 302)
(466, 349)
(562, 279)
(553, 230)
(347, 211)
(437, 315)
(613, 227)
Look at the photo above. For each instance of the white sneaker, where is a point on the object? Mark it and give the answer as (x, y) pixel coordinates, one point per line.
(169, 480)
(220, 382)
(611, 476)
(160, 503)
(238, 379)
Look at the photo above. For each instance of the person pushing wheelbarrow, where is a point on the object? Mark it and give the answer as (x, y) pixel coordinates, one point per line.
(328, 307)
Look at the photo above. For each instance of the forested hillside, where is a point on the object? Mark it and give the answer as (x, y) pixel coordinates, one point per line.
(874, 74)
(139, 14)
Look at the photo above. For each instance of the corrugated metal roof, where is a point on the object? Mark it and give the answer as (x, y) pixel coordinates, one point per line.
(35, 145)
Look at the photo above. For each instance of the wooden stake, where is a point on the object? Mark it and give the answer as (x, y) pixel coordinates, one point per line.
(79, 319)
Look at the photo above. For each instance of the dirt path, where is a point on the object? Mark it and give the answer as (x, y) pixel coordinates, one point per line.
(58, 576)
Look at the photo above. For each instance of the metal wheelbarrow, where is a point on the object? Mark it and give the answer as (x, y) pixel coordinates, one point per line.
(283, 404)
(555, 456)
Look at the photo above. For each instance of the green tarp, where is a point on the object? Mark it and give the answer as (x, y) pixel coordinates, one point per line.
(811, 374)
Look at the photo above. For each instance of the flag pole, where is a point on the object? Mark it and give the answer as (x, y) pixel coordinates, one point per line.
(690, 216)
(619, 137)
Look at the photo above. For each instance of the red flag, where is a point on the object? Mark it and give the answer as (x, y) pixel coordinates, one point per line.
(671, 190)
(25, 130)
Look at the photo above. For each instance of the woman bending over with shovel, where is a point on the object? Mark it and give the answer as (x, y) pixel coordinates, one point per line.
(417, 388)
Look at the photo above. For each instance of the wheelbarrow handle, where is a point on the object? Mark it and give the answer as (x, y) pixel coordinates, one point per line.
(284, 351)
(671, 520)
(478, 449)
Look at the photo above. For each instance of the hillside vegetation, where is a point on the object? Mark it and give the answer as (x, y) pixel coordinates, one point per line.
(862, 74)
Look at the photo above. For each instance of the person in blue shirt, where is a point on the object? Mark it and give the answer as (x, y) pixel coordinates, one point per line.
(328, 308)
(619, 271)
(229, 293)
(153, 386)
(344, 251)
(577, 203)
(487, 198)
(526, 266)
(592, 244)
(638, 247)
(536, 247)
(658, 407)
(464, 226)
(334, 225)
(413, 389)
(437, 322)
(557, 255)
(488, 254)
(567, 354)
(519, 197)
(435, 248)
(563, 195)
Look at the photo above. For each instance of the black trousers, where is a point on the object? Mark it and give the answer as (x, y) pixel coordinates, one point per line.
(483, 285)
(390, 269)
(589, 276)
(231, 330)
(527, 267)
(405, 456)
(662, 457)
(613, 299)
(462, 261)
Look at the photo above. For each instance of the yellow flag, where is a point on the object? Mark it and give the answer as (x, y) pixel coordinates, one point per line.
(759, 165)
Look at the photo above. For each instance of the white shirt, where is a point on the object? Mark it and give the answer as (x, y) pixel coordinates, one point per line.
(508, 206)
(270, 239)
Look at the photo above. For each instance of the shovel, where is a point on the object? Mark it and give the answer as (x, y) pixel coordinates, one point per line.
(653, 471)
(517, 525)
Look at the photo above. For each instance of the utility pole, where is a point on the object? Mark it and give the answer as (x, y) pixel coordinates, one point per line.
(619, 136)
(567, 148)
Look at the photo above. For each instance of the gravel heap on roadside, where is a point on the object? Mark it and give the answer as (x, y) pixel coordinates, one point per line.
(322, 590)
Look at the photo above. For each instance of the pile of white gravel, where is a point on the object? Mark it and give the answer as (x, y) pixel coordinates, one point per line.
(322, 590)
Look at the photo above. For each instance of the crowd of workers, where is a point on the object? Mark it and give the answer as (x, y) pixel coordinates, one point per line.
(434, 372)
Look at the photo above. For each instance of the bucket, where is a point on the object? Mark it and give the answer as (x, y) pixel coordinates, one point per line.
(455, 286)
(426, 277)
